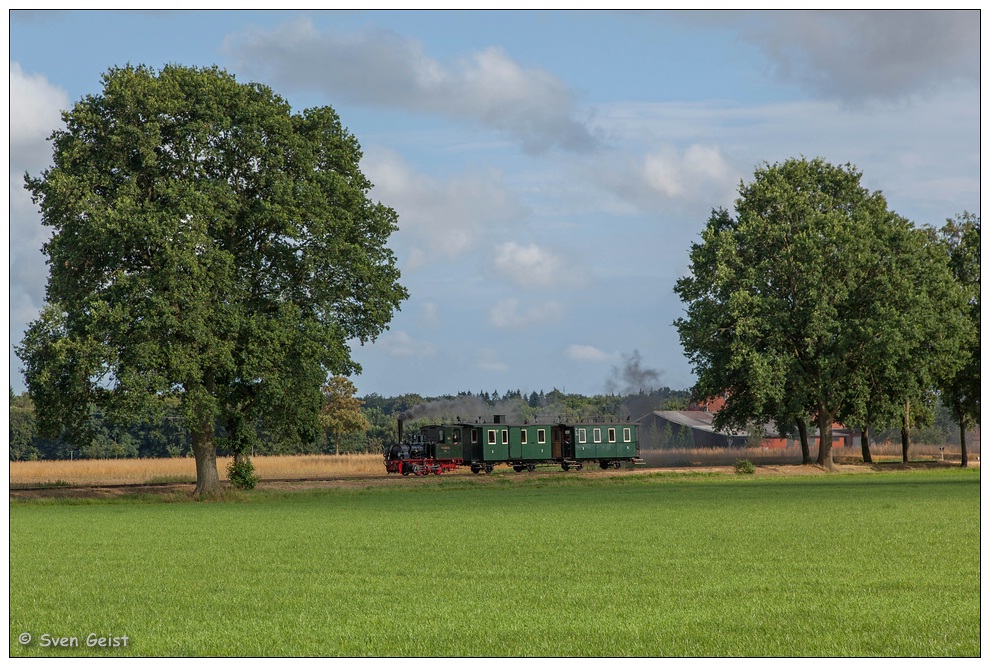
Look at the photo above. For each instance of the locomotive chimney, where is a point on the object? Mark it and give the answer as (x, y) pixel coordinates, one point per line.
(400, 430)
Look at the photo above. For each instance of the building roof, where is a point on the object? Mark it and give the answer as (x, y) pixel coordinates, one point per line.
(696, 419)
(702, 421)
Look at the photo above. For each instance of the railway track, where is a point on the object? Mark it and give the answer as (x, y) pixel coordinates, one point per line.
(109, 490)
(135, 485)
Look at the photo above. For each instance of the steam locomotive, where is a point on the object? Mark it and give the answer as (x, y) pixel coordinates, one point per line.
(483, 445)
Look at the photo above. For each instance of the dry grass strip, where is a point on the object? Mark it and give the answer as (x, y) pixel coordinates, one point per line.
(149, 471)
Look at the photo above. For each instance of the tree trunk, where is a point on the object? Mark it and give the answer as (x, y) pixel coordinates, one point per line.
(906, 431)
(962, 443)
(205, 450)
(825, 439)
(805, 447)
(865, 442)
(203, 432)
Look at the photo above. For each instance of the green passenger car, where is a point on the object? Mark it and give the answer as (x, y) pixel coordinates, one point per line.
(529, 442)
(605, 441)
(494, 441)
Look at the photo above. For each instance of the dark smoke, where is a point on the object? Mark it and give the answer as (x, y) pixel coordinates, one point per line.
(464, 409)
(632, 378)
(636, 384)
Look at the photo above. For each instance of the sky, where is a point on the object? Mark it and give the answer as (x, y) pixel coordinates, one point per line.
(550, 169)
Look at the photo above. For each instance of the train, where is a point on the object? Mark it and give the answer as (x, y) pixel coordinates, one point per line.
(483, 445)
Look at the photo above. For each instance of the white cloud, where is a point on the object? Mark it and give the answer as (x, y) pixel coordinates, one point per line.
(534, 266)
(379, 67)
(401, 344)
(927, 176)
(860, 55)
(685, 174)
(443, 217)
(28, 270)
(692, 174)
(35, 112)
(646, 174)
(506, 314)
(588, 353)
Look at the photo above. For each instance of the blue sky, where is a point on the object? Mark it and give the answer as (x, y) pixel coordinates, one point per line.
(550, 169)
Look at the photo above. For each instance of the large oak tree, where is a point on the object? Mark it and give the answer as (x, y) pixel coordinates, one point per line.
(961, 391)
(208, 245)
(809, 293)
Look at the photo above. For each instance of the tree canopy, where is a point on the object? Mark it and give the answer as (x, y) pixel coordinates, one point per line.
(341, 413)
(210, 246)
(961, 391)
(813, 299)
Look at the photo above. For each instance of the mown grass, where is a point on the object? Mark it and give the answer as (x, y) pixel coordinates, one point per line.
(645, 565)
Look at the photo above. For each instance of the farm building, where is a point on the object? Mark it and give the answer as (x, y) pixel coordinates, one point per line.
(664, 429)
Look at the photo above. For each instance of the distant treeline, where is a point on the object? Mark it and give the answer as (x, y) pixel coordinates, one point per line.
(169, 437)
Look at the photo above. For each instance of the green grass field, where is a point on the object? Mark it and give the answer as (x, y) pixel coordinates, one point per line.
(647, 565)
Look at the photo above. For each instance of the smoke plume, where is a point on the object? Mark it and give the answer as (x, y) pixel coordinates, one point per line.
(632, 378)
(464, 409)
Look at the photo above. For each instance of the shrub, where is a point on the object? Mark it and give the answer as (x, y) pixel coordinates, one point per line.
(744, 467)
(241, 473)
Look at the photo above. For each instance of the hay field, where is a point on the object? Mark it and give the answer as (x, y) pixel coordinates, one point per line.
(150, 471)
